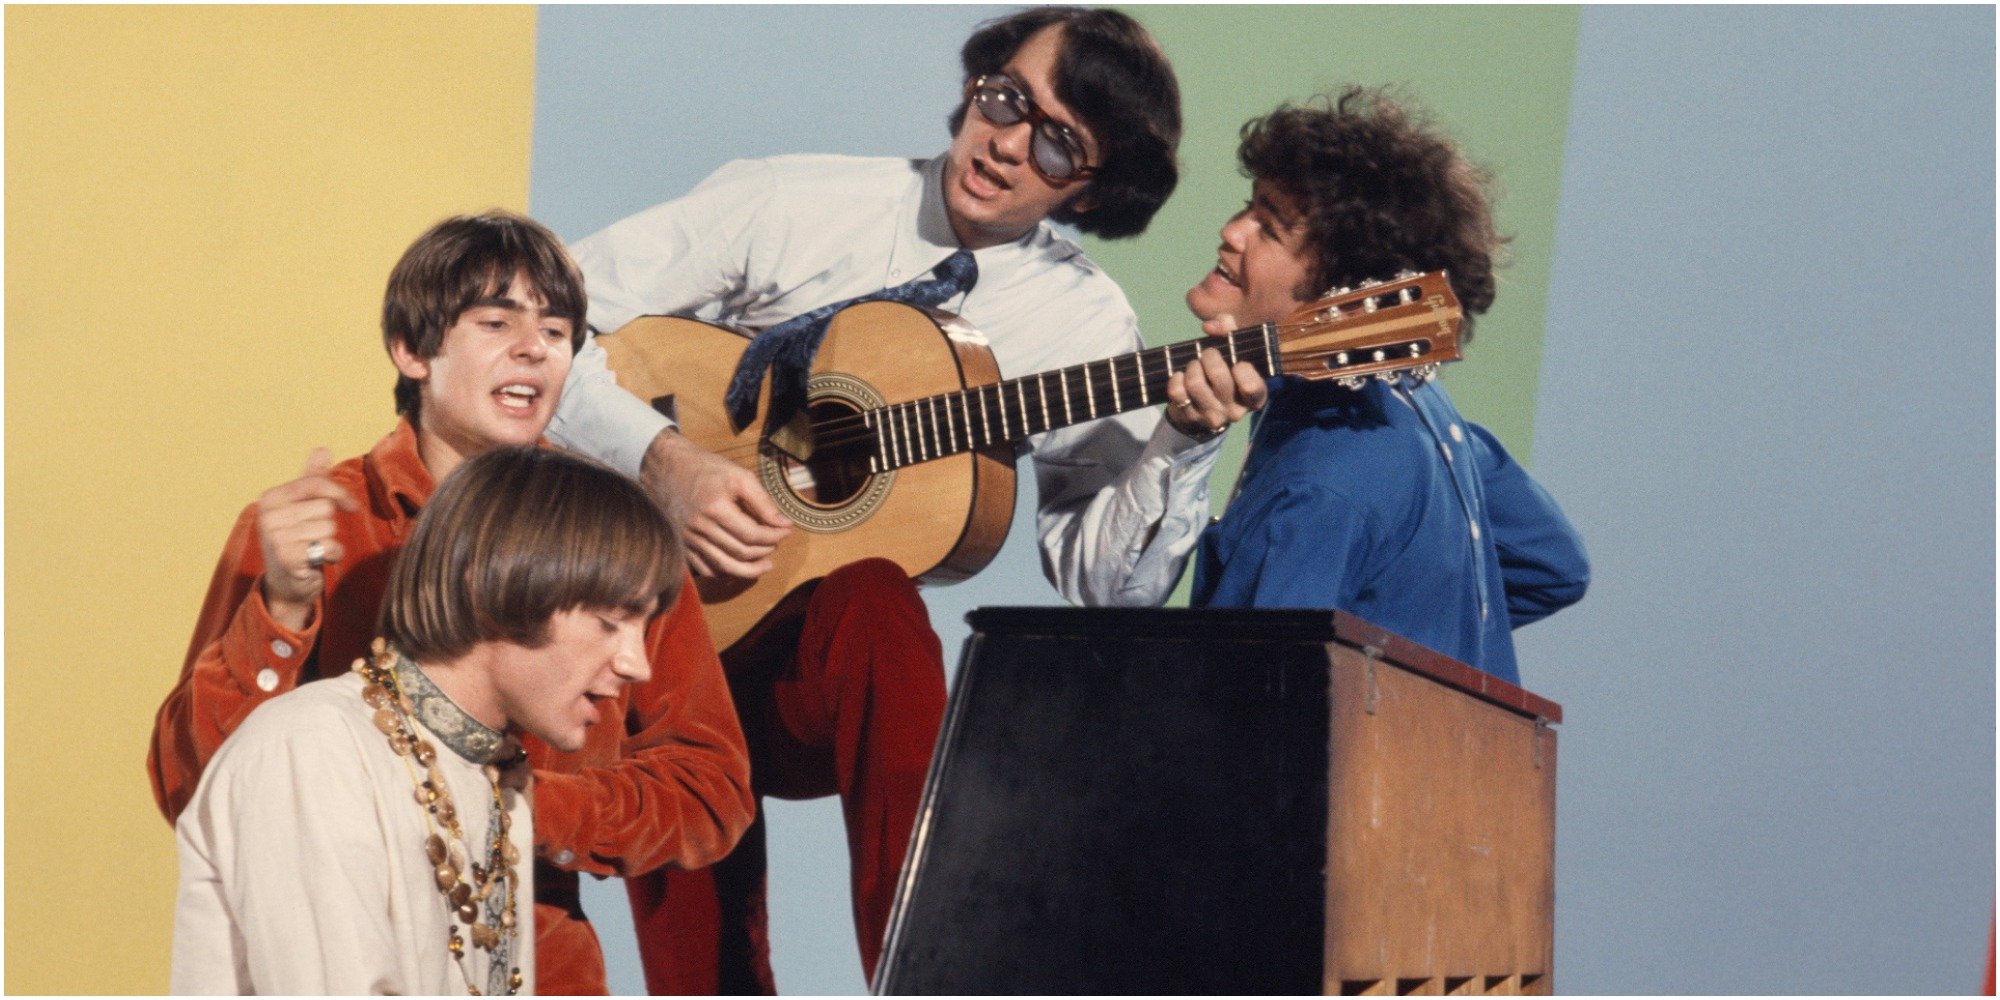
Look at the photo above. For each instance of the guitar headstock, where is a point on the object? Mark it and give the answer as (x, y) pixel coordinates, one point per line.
(1377, 329)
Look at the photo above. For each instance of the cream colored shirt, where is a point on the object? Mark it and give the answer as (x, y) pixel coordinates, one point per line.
(302, 860)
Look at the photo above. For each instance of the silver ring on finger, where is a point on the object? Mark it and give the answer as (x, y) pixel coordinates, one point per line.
(315, 554)
(1185, 404)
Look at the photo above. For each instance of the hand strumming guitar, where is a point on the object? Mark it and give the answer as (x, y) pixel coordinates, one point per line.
(730, 524)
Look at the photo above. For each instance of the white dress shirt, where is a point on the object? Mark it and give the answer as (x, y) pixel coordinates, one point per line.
(760, 241)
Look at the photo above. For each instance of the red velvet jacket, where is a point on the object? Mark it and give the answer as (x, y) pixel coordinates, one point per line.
(669, 787)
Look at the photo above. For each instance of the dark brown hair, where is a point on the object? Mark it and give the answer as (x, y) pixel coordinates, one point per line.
(512, 537)
(465, 259)
(1382, 191)
(1113, 75)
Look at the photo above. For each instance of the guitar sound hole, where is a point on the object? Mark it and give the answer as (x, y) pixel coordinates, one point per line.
(838, 468)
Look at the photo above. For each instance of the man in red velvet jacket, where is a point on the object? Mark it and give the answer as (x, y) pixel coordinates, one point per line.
(481, 317)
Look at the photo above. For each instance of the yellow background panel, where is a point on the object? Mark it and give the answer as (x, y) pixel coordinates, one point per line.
(202, 207)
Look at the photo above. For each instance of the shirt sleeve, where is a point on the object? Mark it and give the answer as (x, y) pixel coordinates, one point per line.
(238, 658)
(1122, 499)
(1542, 562)
(1299, 546)
(679, 794)
(283, 854)
(1121, 503)
(671, 259)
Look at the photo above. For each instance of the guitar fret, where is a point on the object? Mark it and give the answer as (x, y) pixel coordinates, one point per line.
(1089, 391)
(985, 422)
(965, 408)
(1021, 395)
(1000, 403)
(874, 460)
(950, 427)
(1139, 364)
(887, 419)
(1270, 349)
(1232, 350)
(930, 405)
(1116, 406)
(1069, 415)
(1042, 386)
(912, 434)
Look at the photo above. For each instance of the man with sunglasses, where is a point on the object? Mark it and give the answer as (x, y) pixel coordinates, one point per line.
(1068, 115)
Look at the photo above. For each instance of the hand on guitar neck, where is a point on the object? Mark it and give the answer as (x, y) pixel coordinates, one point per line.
(729, 522)
(1210, 394)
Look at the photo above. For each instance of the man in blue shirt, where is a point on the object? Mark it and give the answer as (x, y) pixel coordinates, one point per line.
(1380, 501)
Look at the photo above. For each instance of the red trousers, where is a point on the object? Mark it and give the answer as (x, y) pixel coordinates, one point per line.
(845, 699)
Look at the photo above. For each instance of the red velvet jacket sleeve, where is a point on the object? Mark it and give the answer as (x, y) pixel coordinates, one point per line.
(235, 641)
(671, 788)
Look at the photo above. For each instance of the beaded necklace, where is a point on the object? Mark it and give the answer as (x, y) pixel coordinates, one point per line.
(485, 901)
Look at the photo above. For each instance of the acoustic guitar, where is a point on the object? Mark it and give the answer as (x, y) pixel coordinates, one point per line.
(905, 448)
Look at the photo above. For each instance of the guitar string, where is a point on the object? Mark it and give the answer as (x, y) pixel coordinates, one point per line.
(857, 422)
(834, 432)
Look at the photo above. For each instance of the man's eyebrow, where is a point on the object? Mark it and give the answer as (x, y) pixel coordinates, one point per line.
(1268, 207)
(497, 302)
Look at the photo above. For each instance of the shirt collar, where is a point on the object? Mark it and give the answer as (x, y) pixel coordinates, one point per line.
(453, 726)
(398, 483)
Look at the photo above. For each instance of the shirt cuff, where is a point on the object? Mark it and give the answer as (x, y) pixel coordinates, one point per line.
(562, 822)
(273, 654)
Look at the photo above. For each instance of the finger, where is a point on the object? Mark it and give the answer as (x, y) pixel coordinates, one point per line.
(723, 537)
(290, 516)
(319, 487)
(318, 462)
(1250, 388)
(759, 505)
(696, 564)
(1198, 388)
(721, 563)
(736, 521)
(1219, 326)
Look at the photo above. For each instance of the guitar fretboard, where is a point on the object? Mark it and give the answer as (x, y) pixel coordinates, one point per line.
(1005, 412)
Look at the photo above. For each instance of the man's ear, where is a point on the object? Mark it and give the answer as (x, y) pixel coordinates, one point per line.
(415, 368)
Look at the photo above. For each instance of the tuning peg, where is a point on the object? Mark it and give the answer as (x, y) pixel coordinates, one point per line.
(1406, 275)
(1424, 373)
(1371, 283)
(1351, 381)
(1389, 377)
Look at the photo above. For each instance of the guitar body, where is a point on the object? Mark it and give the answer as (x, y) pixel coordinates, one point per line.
(940, 520)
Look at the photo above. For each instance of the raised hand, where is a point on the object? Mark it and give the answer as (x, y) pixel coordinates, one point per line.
(295, 526)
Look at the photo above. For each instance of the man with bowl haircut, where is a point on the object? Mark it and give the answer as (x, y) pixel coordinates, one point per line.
(1380, 501)
(480, 318)
(1067, 115)
(368, 834)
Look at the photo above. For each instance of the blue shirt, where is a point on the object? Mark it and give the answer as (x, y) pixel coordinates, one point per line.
(1385, 503)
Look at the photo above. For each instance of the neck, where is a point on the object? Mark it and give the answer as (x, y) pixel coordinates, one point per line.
(470, 688)
(438, 455)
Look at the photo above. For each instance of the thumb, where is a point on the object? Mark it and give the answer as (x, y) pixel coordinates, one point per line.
(319, 461)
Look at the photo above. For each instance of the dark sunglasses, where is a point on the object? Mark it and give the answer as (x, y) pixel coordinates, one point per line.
(1054, 151)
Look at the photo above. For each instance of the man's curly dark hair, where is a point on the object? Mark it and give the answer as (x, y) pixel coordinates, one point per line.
(1382, 191)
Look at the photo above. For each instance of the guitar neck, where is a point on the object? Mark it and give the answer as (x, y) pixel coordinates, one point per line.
(1006, 412)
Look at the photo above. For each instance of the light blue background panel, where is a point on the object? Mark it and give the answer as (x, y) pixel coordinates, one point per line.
(1767, 402)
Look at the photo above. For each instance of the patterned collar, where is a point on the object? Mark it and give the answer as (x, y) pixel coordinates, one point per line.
(466, 736)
